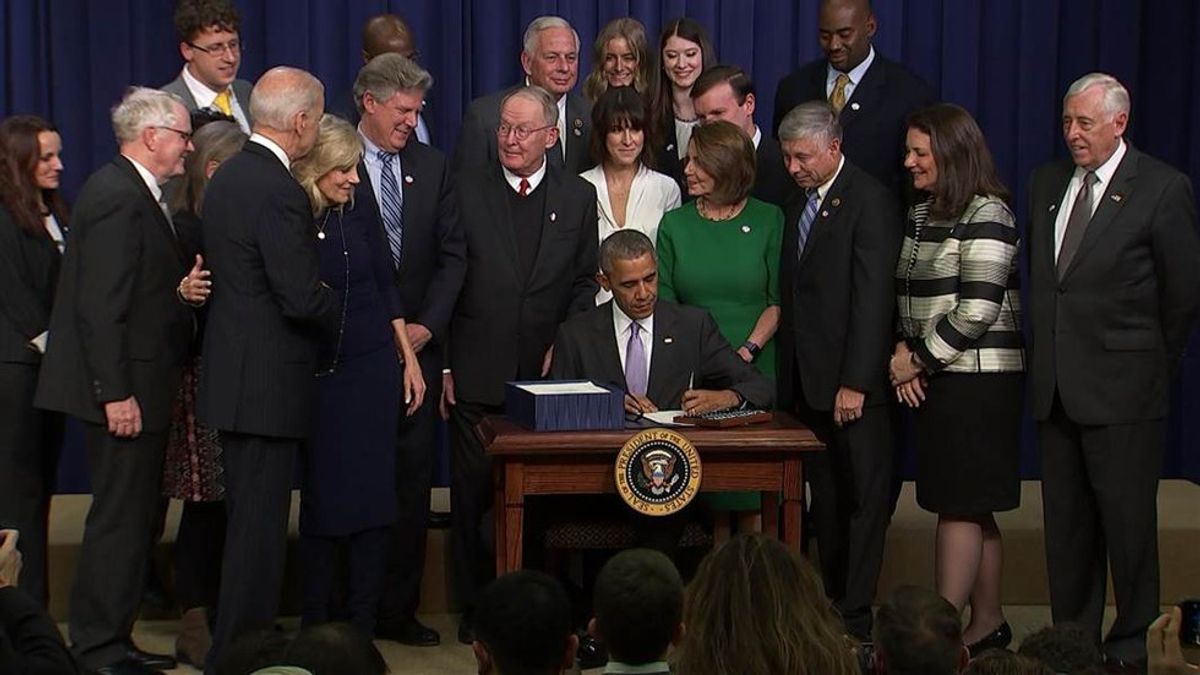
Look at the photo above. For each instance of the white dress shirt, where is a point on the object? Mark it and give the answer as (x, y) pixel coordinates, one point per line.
(147, 178)
(823, 188)
(621, 328)
(205, 96)
(514, 181)
(856, 75)
(1104, 174)
(274, 148)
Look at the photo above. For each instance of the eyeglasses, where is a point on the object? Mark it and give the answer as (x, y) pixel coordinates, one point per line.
(522, 133)
(234, 46)
(185, 135)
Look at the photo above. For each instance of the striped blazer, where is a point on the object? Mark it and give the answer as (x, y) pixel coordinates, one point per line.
(957, 289)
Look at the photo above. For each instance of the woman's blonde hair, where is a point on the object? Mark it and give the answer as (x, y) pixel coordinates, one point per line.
(634, 33)
(338, 147)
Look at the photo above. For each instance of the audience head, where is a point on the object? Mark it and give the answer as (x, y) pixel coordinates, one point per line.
(333, 649)
(287, 104)
(30, 170)
(209, 41)
(811, 140)
(725, 93)
(1065, 647)
(621, 125)
(550, 56)
(846, 28)
(523, 626)
(949, 160)
(214, 143)
(388, 34)
(1004, 662)
(620, 58)
(720, 163)
(252, 651)
(638, 597)
(685, 51)
(917, 632)
(153, 128)
(757, 608)
(1095, 113)
(528, 128)
(389, 93)
(329, 172)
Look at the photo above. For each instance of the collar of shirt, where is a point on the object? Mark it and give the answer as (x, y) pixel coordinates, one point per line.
(625, 669)
(856, 74)
(1104, 172)
(375, 165)
(274, 148)
(514, 181)
(147, 177)
(757, 137)
(823, 188)
(201, 92)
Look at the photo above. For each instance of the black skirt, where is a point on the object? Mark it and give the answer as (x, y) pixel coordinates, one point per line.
(968, 436)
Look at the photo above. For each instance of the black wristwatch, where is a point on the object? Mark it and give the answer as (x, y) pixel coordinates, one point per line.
(752, 348)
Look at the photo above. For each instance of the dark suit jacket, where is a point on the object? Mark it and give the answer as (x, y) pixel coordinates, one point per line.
(268, 305)
(29, 267)
(1109, 335)
(772, 184)
(666, 156)
(687, 348)
(873, 121)
(499, 316)
(241, 90)
(29, 641)
(477, 137)
(837, 299)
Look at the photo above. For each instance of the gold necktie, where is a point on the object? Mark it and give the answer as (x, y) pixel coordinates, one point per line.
(224, 102)
(837, 99)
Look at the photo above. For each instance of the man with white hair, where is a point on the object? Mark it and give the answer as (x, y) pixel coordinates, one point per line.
(265, 318)
(550, 59)
(1114, 262)
(119, 333)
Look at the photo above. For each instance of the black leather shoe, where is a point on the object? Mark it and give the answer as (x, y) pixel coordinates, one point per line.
(997, 639)
(147, 659)
(591, 653)
(411, 632)
(125, 667)
(466, 631)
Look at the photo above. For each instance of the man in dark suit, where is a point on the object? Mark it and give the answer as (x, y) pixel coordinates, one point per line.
(726, 93)
(531, 260)
(1115, 283)
(260, 342)
(404, 187)
(212, 51)
(550, 59)
(840, 243)
(118, 337)
(871, 94)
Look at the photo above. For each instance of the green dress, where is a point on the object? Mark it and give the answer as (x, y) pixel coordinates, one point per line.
(730, 268)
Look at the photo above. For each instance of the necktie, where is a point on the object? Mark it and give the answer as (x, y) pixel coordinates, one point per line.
(1077, 222)
(224, 102)
(635, 362)
(837, 98)
(523, 188)
(167, 214)
(806, 221)
(391, 203)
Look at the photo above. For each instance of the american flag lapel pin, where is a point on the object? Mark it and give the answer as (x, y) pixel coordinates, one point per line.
(553, 216)
(1116, 197)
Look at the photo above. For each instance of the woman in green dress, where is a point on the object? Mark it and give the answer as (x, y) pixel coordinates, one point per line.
(721, 252)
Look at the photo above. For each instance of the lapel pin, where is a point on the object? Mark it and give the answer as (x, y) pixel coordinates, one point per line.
(824, 214)
(837, 201)
(578, 127)
(408, 179)
(746, 229)
(1116, 198)
(855, 106)
(1053, 207)
(670, 146)
(668, 340)
(553, 216)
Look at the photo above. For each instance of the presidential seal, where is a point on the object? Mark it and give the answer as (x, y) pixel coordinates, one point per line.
(657, 472)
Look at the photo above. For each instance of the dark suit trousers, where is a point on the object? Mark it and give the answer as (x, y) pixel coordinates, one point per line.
(366, 555)
(414, 477)
(258, 496)
(1099, 492)
(126, 480)
(30, 441)
(471, 535)
(850, 503)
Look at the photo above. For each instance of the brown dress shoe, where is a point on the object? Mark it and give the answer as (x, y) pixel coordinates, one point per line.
(194, 640)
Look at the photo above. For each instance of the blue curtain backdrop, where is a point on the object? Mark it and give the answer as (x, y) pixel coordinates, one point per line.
(1007, 61)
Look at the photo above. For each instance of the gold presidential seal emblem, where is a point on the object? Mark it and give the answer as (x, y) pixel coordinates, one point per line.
(657, 472)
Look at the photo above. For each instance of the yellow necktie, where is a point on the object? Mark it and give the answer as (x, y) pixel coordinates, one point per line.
(837, 99)
(224, 102)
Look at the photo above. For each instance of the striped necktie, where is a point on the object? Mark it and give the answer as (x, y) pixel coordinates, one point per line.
(806, 220)
(391, 204)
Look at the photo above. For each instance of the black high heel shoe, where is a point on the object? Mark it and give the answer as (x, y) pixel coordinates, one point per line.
(997, 639)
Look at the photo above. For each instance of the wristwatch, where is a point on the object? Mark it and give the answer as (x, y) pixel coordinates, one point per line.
(752, 348)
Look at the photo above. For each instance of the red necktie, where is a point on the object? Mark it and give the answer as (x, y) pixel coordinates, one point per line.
(523, 188)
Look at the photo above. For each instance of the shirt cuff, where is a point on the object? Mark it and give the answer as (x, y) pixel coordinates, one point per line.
(39, 342)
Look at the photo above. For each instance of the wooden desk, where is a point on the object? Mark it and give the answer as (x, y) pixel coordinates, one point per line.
(766, 458)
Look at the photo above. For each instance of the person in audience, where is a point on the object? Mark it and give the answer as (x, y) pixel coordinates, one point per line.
(253, 651)
(211, 47)
(1066, 648)
(33, 224)
(1004, 662)
(629, 194)
(333, 648)
(684, 50)
(523, 626)
(727, 93)
(757, 608)
(120, 337)
(550, 59)
(1164, 654)
(30, 643)
(348, 467)
(960, 362)
(638, 603)
(721, 253)
(620, 58)
(917, 632)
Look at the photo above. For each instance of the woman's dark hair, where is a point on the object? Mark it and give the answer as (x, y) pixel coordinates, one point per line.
(662, 106)
(726, 153)
(193, 17)
(619, 108)
(964, 163)
(333, 649)
(20, 151)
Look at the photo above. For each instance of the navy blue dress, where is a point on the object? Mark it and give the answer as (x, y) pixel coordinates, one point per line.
(349, 477)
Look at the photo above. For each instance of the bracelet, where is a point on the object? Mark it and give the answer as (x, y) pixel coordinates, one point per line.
(752, 348)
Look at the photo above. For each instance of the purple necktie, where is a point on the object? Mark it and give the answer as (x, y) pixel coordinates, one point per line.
(635, 362)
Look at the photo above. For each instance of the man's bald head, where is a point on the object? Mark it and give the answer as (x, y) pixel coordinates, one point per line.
(846, 29)
(286, 105)
(387, 34)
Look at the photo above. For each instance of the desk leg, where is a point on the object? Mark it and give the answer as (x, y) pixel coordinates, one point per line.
(511, 519)
(770, 513)
(793, 501)
(499, 523)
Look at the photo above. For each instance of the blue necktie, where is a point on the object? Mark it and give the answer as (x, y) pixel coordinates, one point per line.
(391, 205)
(806, 220)
(635, 362)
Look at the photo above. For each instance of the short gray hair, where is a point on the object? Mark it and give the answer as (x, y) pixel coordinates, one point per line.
(280, 94)
(814, 119)
(141, 108)
(538, 95)
(387, 74)
(624, 244)
(533, 32)
(1116, 96)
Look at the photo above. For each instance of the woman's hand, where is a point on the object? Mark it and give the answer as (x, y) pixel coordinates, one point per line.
(912, 393)
(414, 385)
(195, 288)
(903, 366)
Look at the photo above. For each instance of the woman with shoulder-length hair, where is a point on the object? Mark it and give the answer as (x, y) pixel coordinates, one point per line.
(621, 58)
(368, 371)
(959, 362)
(684, 51)
(33, 219)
